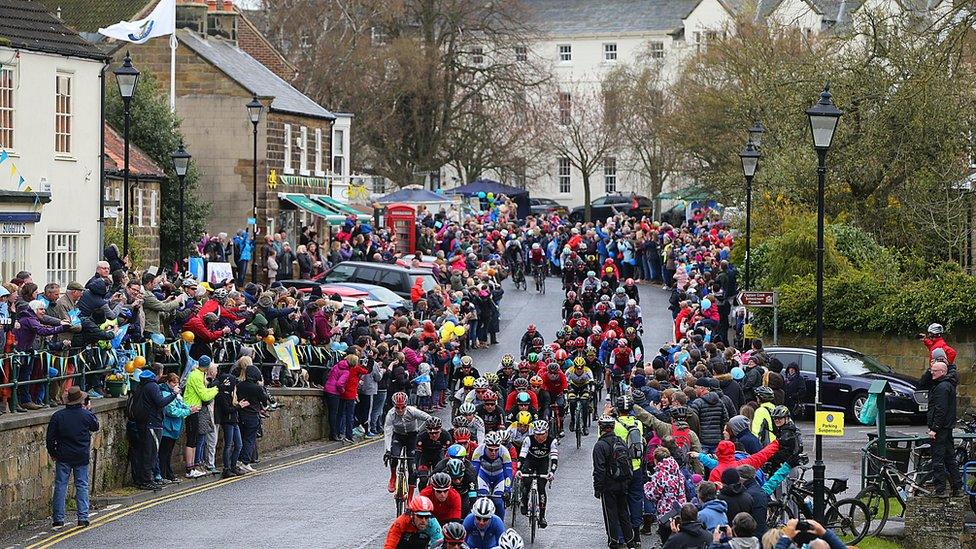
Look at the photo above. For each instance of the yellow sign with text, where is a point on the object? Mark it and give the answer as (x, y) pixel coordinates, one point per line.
(829, 424)
(748, 332)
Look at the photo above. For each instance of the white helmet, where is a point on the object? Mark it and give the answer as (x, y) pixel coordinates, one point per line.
(511, 540)
(936, 328)
(631, 302)
(536, 246)
(483, 508)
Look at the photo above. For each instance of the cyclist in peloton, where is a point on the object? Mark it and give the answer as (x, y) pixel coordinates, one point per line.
(484, 527)
(494, 469)
(520, 429)
(580, 380)
(415, 529)
(554, 385)
(446, 500)
(400, 431)
(431, 446)
(490, 413)
(537, 258)
(468, 418)
(454, 536)
(539, 456)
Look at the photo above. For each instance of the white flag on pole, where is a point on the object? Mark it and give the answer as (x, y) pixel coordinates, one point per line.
(160, 22)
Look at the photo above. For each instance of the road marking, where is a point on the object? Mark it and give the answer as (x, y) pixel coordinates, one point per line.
(121, 513)
(369, 542)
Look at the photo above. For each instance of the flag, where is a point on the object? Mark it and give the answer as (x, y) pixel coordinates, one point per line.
(160, 22)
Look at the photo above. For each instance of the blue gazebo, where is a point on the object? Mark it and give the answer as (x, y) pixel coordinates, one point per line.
(519, 196)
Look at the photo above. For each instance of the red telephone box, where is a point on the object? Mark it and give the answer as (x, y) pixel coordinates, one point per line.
(401, 219)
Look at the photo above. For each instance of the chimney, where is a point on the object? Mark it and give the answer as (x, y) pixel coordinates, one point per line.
(192, 14)
(222, 19)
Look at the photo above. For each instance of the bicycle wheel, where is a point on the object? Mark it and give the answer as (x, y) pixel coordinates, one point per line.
(878, 506)
(778, 513)
(849, 519)
(516, 495)
(578, 424)
(533, 513)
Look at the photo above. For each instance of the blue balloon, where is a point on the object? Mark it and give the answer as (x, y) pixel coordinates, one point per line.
(482, 194)
(706, 304)
(457, 360)
(158, 339)
(439, 191)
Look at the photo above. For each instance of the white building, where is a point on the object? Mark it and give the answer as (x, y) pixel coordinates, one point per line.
(50, 147)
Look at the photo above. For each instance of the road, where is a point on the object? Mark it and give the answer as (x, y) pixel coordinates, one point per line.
(339, 499)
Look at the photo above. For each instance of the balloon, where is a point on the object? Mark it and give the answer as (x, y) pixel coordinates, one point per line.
(139, 361)
(158, 339)
(457, 360)
(130, 367)
(459, 331)
(706, 304)
(269, 339)
(187, 336)
(491, 196)
(439, 191)
(482, 194)
(448, 326)
(343, 346)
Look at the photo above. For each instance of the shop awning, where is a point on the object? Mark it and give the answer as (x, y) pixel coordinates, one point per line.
(334, 204)
(313, 207)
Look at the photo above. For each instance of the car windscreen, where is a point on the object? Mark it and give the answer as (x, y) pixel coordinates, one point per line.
(429, 281)
(852, 364)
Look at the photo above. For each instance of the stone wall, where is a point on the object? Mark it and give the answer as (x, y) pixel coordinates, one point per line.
(935, 522)
(27, 472)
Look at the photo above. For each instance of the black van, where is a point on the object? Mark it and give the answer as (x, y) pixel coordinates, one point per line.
(393, 277)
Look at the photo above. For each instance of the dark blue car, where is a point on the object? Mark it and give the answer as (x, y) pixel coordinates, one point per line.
(847, 376)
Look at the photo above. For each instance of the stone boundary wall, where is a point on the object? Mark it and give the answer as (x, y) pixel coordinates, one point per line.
(27, 471)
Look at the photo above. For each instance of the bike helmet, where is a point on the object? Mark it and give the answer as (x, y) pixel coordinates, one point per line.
(624, 403)
(605, 284)
(399, 399)
(536, 381)
(579, 362)
(630, 330)
(521, 383)
(591, 351)
(490, 397)
(780, 412)
(621, 342)
(552, 368)
(462, 435)
(555, 346)
(629, 282)
(561, 355)
(631, 302)
(605, 421)
(220, 294)
(457, 451)
(531, 328)
(523, 398)
(540, 427)
(533, 357)
(433, 424)
(537, 342)
(571, 295)
(591, 274)
(480, 384)
(536, 246)
(455, 468)
(764, 393)
(466, 360)
(491, 378)
(493, 440)
(511, 540)
(459, 421)
(454, 532)
(613, 325)
(579, 343)
(523, 418)
(422, 506)
(483, 508)
(935, 328)
(189, 283)
(468, 381)
(466, 409)
(508, 360)
(608, 261)
(440, 481)
(620, 289)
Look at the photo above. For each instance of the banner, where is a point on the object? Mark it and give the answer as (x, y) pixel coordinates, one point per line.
(217, 272)
(161, 21)
(287, 354)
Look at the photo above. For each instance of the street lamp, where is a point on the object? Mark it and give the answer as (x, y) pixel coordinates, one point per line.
(750, 161)
(181, 163)
(756, 133)
(823, 123)
(254, 108)
(126, 77)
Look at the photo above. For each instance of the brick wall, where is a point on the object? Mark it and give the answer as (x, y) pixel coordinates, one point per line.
(250, 40)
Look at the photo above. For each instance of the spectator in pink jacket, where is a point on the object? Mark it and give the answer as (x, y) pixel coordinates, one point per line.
(334, 386)
(349, 391)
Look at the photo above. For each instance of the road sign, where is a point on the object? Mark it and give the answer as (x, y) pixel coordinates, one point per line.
(829, 424)
(758, 299)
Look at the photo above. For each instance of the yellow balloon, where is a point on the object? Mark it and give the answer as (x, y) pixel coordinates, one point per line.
(269, 339)
(139, 361)
(445, 338)
(449, 326)
(187, 336)
(130, 367)
(459, 331)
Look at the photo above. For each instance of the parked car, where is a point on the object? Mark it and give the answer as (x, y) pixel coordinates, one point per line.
(612, 204)
(847, 376)
(377, 293)
(392, 277)
(542, 206)
(424, 261)
(383, 312)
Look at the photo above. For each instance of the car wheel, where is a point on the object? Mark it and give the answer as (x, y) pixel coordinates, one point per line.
(857, 402)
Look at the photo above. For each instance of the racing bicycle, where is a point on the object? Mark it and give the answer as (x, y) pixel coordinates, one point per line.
(401, 479)
(539, 274)
(579, 403)
(533, 502)
(518, 276)
(514, 497)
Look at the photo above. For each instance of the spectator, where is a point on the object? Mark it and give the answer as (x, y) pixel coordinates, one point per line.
(760, 500)
(741, 535)
(250, 390)
(69, 445)
(686, 530)
(196, 395)
(226, 415)
(734, 494)
(713, 511)
(173, 415)
(146, 413)
(29, 335)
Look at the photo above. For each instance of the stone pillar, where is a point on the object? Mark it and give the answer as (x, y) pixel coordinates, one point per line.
(934, 522)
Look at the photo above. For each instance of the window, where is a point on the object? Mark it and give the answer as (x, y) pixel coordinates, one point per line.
(340, 273)
(565, 108)
(377, 36)
(565, 53)
(564, 175)
(62, 257)
(610, 175)
(153, 204)
(7, 110)
(657, 50)
(139, 210)
(13, 252)
(62, 114)
(318, 152)
(379, 185)
(338, 151)
(288, 168)
(521, 54)
(305, 42)
(610, 52)
(303, 152)
(477, 56)
(391, 280)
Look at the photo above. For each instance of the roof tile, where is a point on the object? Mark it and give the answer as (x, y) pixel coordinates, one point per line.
(28, 25)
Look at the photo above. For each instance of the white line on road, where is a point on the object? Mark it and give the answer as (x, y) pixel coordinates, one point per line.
(369, 542)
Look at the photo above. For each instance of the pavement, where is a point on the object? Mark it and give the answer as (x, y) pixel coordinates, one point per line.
(328, 495)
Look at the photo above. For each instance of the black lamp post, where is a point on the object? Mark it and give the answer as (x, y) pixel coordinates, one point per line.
(750, 161)
(254, 108)
(823, 123)
(126, 77)
(181, 164)
(756, 133)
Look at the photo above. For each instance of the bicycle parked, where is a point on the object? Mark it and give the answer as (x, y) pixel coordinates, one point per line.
(849, 518)
(888, 483)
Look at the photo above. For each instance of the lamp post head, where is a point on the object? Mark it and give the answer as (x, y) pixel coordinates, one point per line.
(254, 108)
(823, 116)
(126, 76)
(750, 160)
(181, 161)
(756, 133)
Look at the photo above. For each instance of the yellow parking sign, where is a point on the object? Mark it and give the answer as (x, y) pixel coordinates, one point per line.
(748, 332)
(830, 424)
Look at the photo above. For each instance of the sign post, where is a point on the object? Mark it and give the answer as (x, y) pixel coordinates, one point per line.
(765, 300)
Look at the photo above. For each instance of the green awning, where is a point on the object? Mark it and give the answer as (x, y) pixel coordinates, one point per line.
(689, 193)
(313, 207)
(334, 204)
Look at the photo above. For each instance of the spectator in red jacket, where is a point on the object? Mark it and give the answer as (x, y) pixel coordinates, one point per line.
(202, 328)
(417, 291)
(350, 390)
(933, 340)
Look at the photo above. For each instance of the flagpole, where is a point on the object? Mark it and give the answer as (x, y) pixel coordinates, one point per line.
(172, 72)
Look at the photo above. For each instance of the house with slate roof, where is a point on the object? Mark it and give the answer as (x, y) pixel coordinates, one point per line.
(50, 146)
(145, 178)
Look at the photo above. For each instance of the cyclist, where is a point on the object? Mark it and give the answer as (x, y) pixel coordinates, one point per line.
(542, 397)
(462, 437)
(789, 437)
(506, 374)
(630, 286)
(619, 299)
(537, 258)
(477, 396)
(554, 386)
(468, 412)
(463, 479)
(483, 525)
(415, 529)
(569, 305)
(632, 314)
(511, 540)
(494, 469)
(569, 274)
(489, 412)
(400, 431)
(431, 445)
(531, 333)
(454, 535)
(539, 456)
(519, 385)
(446, 500)
(520, 429)
(580, 380)
(467, 386)
(590, 284)
(762, 420)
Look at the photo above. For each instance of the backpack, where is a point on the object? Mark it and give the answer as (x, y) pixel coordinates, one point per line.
(682, 438)
(635, 440)
(621, 468)
(135, 406)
